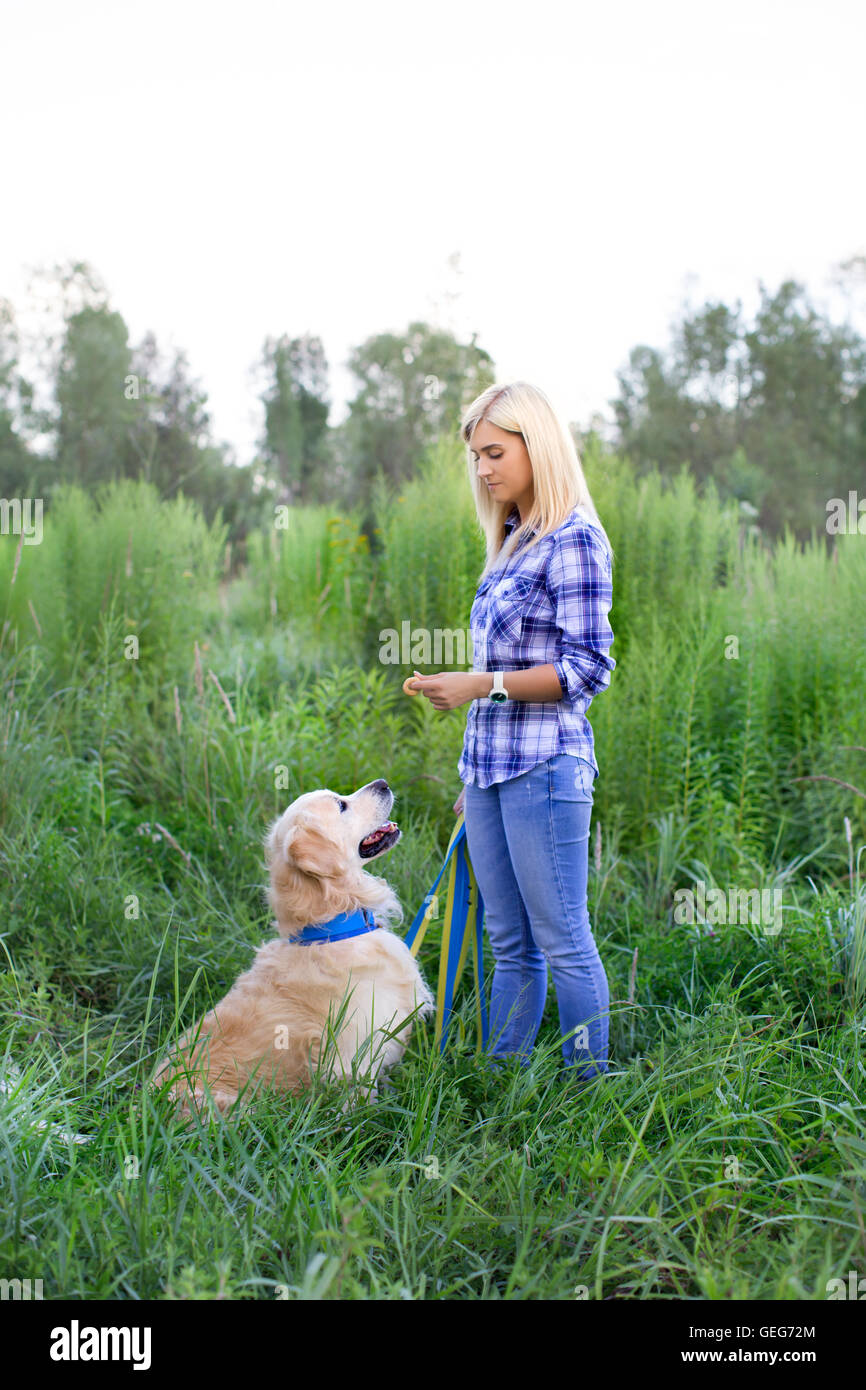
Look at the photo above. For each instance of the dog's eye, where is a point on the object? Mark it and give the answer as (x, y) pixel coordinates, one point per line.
(343, 805)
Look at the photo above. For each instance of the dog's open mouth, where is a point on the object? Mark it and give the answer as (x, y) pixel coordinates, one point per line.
(384, 837)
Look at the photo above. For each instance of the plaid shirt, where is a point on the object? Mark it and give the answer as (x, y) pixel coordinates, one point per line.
(549, 605)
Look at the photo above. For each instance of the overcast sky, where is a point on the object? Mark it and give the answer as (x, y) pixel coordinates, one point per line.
(238, 170)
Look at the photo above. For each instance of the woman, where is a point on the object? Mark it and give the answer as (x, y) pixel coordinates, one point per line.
(539, 630)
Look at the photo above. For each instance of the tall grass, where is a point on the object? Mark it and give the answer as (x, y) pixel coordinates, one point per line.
(724, 1153)
(122, 555)
(313, 582)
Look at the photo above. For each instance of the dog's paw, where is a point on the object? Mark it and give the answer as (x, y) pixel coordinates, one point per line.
(187, 1103)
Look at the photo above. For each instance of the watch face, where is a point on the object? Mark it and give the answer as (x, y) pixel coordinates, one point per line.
(499, 696)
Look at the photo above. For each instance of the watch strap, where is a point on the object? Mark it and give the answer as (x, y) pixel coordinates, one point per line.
(498, 693)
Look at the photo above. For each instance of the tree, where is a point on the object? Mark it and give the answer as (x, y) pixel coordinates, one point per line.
(95, 414)
(412, 389)
(171, 442)
(293, 448)
(803, 430)
(774, 413)
(19, 468)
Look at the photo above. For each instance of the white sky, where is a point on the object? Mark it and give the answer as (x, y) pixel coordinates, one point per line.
(238, 170)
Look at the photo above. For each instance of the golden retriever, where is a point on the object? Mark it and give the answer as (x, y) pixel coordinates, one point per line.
(319, 1007)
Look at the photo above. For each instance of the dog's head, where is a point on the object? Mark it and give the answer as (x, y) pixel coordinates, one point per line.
(316, 852)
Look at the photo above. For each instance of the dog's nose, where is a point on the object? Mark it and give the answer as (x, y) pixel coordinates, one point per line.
(380, 785)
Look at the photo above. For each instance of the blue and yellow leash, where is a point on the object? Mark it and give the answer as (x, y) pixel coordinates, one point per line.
(464, 922)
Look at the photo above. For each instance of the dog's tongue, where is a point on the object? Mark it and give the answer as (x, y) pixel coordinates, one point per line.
(376, 835)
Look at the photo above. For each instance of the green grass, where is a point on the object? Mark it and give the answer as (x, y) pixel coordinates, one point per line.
(724, 1154)
(727, 1162)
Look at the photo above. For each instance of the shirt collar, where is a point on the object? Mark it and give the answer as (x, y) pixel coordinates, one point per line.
(512, 520)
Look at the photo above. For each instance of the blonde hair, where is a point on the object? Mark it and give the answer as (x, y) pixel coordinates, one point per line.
(558, 479)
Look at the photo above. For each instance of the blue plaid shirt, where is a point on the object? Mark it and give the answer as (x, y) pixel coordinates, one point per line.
(549, 605)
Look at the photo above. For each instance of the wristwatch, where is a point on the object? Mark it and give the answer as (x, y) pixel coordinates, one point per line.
(498, 693)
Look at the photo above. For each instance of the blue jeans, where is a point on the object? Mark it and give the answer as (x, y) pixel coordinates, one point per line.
(528, 840)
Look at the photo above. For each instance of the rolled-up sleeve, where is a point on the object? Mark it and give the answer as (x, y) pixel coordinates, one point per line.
(580, 588)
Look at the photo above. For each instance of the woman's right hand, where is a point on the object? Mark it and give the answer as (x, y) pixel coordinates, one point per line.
(458, 804)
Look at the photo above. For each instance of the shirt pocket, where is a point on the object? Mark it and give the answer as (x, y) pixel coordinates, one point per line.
(508, 608)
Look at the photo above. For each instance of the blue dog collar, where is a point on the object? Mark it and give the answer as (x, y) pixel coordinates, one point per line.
(338, 928)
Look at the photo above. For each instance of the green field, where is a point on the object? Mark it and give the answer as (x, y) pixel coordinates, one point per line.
(154, 683)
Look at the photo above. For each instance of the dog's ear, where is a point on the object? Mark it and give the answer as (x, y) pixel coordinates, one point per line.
(270, 841)
(313, 852)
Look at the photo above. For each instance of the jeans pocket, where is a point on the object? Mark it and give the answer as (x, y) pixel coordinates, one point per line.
(571, 778)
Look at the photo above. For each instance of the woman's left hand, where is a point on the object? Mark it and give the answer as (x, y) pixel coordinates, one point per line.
(447, 689)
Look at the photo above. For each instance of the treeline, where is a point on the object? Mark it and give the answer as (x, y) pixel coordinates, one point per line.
(774, 411)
